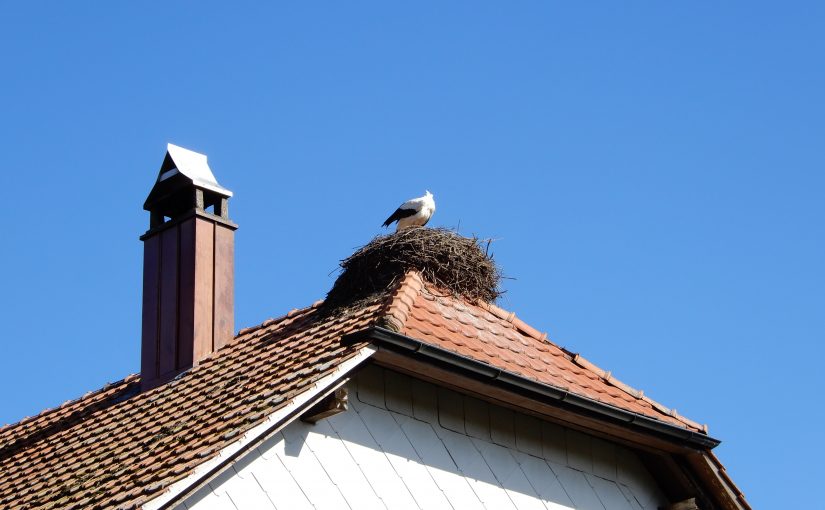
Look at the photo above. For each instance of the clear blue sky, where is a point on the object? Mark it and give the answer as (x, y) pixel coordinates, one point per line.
(653, 174)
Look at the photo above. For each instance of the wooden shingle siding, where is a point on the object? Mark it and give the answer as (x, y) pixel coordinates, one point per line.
(405, 443)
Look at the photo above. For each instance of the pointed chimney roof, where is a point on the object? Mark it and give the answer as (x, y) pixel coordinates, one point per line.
(183, 168)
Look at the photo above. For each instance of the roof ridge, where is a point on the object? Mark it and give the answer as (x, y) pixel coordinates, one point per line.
(517, 323)
(400, 301)
(86, 396)
(273, 321)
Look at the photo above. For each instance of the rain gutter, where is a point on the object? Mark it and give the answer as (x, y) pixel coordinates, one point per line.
(483, 372)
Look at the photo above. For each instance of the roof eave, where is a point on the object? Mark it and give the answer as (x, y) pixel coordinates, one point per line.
(385, 338)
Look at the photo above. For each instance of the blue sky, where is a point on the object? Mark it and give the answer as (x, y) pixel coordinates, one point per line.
(653, 175)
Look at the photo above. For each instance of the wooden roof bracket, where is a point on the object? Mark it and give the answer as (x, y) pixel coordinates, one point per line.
(335, 403)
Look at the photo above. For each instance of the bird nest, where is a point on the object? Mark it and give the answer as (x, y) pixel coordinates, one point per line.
(458, 265)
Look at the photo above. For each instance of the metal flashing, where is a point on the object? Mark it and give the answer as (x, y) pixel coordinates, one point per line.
(194, 166)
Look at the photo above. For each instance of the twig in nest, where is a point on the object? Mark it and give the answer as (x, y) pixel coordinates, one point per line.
(449, 261)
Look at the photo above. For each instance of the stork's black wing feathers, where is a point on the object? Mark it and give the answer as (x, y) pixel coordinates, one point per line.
(399, 214)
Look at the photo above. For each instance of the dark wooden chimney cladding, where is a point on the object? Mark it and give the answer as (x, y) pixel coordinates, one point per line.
(188, 269)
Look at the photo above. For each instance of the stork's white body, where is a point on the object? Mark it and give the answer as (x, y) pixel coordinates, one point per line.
(413, 213)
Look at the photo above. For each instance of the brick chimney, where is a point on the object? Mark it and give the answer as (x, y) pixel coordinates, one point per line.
(188, 268)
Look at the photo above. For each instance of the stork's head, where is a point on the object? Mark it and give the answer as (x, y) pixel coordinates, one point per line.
(428, 194)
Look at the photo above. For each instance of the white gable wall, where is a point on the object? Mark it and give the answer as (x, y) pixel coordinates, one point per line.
(405, 443)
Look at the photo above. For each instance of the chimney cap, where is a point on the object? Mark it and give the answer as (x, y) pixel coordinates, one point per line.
(183, 167)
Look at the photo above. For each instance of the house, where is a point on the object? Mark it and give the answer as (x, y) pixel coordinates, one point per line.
(408, 397)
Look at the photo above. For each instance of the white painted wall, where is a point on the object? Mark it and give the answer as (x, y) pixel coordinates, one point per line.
(405, 443)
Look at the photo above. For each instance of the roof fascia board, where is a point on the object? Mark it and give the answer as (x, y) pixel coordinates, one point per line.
(709, 470)
(550, 410)
(256, 435)
(386, 338)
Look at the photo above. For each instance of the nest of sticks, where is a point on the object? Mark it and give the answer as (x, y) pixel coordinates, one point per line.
(458, 265)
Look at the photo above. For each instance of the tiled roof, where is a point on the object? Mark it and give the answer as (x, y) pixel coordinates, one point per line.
(105, 452)
(497, 337)
(116, 448)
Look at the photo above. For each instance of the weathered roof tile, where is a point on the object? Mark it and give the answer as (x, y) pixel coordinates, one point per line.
(117, 448)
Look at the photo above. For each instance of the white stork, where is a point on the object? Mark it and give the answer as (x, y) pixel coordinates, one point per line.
(413, 213)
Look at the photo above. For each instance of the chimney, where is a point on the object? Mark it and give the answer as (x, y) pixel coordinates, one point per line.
(188, 268)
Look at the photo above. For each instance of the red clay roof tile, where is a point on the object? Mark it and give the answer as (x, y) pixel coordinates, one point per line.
(499, 338)
(116, 447)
